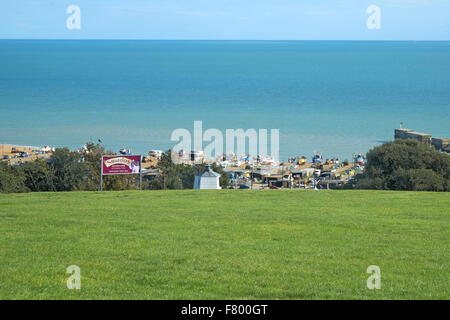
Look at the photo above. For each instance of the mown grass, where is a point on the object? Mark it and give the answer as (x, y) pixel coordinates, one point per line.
(240, 244)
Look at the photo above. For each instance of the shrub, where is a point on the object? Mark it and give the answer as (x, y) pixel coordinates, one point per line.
(406, 165)
(12, 179)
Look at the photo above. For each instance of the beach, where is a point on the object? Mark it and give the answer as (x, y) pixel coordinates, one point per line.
(20, 154)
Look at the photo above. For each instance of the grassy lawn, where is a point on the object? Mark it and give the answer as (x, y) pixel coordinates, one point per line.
(272, 244)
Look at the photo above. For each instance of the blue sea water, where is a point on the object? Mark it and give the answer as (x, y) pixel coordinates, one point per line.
(333, 97)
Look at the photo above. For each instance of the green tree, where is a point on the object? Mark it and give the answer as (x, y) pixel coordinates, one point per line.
(92, 155)
(172, 176)
(224, 179)
(406, 165)
(37, 175)
(12, 179)
(67, 170)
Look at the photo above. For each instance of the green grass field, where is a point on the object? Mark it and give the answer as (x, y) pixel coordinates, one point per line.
(273, 244)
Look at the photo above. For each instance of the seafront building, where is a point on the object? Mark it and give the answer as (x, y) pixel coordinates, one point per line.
(207, 179)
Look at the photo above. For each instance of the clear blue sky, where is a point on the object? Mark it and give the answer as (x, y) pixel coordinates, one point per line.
(226, 19)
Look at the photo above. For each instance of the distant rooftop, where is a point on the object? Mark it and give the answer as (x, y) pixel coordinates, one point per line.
(208, 173)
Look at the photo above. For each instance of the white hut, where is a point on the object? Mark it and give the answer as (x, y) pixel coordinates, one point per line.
(207, 179)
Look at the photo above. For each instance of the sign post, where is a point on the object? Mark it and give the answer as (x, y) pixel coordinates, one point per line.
(101, 176)
(121, 164)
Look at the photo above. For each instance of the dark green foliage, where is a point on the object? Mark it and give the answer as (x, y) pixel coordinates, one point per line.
(224, 179)
(92, 157)
(169, 176)
(417, 180)
(67, 170)
(187, 175)
(38, 176)
(12, 179)
(406, 165)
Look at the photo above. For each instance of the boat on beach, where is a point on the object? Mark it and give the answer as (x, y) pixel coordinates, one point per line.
(359, 159)
(317, 158)
(125, 152)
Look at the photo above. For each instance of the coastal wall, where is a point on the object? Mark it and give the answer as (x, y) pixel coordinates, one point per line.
(410, 134)
(441, 144)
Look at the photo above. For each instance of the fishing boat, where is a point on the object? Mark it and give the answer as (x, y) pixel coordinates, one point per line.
(359, 159)
(301, 160)
(125, 151)
(317, 158)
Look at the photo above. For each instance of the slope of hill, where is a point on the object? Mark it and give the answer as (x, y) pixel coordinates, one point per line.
(272, 244)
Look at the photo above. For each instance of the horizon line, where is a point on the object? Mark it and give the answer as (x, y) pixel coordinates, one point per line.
(285, 40)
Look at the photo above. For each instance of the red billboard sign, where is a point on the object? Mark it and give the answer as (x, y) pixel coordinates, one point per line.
(121, 164)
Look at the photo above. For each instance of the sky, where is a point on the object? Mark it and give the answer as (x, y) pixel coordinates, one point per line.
(226, 19)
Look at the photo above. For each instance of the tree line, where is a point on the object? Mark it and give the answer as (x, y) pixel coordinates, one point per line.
(69, 170)
(398, 165)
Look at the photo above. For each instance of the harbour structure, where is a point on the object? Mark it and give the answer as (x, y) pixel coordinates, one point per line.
(440, 144)
(411, 134)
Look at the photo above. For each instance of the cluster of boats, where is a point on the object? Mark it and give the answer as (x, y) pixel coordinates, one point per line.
(233, 160)
(224, 160)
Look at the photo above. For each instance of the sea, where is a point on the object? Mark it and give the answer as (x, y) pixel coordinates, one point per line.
(336, 98)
